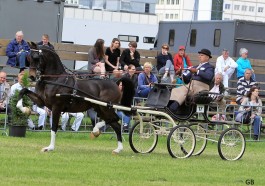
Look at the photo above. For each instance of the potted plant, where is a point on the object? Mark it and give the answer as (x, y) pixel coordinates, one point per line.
(19, 120)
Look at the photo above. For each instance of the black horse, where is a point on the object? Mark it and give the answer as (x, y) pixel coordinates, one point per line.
(52, 78)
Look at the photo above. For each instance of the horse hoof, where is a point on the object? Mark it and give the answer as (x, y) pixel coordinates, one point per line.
(114, 152)
(94, 134)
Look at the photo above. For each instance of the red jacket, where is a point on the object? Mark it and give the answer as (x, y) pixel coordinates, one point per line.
(178, 62)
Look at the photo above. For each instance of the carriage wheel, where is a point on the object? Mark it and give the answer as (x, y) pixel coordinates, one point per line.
(201, 138)
(181, 142)
(231, 144)
(143, 138)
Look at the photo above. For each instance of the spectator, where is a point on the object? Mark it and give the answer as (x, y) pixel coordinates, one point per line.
(45, 41)
(146, 79)
(77, 122)
(255, 102)
(165, 64)
(218, 87)
(35, 108)
(17, 52)
(243, 63)
(226, 66)
(130, 56)
(132, 75)
(96, 61)
(112, 56)
(243, 86)
(201, 75)
(181, 61)
(4, 94)
(125, 119)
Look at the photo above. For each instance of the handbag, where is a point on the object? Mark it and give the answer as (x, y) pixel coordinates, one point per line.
(244, 117)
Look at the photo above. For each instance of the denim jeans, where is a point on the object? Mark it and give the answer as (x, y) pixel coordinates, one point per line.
(21, 59)
(257, 123)
(125, 119)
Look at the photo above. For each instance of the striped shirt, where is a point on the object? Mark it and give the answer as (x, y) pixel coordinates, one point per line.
(243, 86)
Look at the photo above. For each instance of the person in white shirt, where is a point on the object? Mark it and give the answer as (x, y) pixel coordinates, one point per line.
(35, 108)
(226, 66)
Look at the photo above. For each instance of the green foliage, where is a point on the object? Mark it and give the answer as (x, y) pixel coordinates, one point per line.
(19, 118)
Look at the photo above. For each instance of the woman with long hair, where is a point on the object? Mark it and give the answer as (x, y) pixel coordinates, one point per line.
(254, 102)
(112, 56)
(96, 60)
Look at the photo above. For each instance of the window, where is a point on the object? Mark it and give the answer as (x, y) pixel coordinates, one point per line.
(193, 36)
(149, 40)
(217, 37)
(128, 38)
(244, 8)
(167, 16)
(172, 2)
(171, 16)
(177, 2)
(147, 7)
(236, 7)
(168, 2)
(176, 16)
(227, 6)
(251, 8)
(162, 2)
(260, 9)
(171, 38)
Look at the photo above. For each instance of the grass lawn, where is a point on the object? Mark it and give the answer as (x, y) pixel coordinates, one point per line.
(78, 160)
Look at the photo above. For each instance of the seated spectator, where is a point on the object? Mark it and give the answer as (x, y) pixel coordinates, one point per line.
(226, 66)
(218, 87)
(4, 95)
(77, 122)
(112, 56)
(252, 99)
(243, 86)
(165, 64)
(35, 108)
(45, 41)
(243, 63)
(96, 60)
(146, 80)
(17, 52)
(181, 61)
(130, 56)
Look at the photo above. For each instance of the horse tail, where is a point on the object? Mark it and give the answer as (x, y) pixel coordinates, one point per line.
(128, 91)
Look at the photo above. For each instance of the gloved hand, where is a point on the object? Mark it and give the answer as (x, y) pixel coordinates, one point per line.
(193, 70)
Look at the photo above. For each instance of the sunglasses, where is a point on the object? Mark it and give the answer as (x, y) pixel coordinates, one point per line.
(165, 48)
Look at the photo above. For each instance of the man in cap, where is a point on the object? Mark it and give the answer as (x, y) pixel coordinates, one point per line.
(200, 77)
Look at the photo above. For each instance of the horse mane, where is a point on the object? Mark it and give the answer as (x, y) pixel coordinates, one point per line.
(58, 64)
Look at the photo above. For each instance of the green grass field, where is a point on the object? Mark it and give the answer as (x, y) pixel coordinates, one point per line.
(78, 160)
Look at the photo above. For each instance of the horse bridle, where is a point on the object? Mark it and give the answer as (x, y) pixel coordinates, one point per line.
(38, 69)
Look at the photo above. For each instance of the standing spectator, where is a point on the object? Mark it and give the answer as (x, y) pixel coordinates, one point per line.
(45, 41)
(130, 56)
(165, 63)
(96, 58)
(201, 76)
(42, 113)
(181, 61)
(77, 122)
(243, 64)
(112, 56)
(243, 86)
(253, 100)
(17, 52)
(4, 94)
(146, 79)
(226, 66)
(132, 75)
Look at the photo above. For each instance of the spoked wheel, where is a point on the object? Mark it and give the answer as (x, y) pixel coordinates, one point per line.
(143, 138)
(181, 142)
(231, 144)
(201, 138)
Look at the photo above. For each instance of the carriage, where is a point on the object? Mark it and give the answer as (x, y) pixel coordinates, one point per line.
(188, 130)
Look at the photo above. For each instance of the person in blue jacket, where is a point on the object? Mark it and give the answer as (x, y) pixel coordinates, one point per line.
(243, 63)
(17, 51)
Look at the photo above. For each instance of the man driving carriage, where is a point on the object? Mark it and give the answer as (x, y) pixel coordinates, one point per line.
(198, 78)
